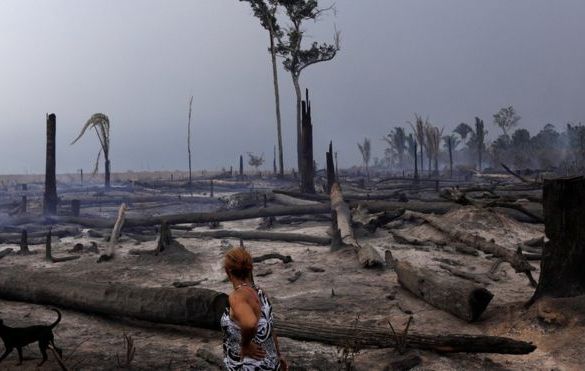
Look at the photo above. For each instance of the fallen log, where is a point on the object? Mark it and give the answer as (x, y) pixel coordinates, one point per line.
(284, 258)
(516, 260)
(363, 337)
(6, 252)
(518, 176)
(200, 307)
(458, 297)
(367, 255)
(191, 306)
(257, 235)
(218, 216)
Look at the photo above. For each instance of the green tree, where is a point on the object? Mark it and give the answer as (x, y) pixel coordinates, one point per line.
(506, 119)
(297, 57)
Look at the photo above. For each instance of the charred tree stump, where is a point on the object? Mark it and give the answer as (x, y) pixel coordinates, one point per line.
(458, 297)
(107, 175)
(24, 243)
(307, 170)
(562, 273)
(50, 197)
(336, 241)
(241, 167)
(330, 168)
(75, 207)
(48, 247)
(165, 238)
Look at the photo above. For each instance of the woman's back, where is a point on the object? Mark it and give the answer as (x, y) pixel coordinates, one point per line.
(264, 337)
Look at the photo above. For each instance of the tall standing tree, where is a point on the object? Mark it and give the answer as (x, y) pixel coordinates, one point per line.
(480, 134)
(433, 139)
(397, 142)
(366, 152)
(189, 142)
(265, 11)
(419, 133)
(506, 119)
(297, 58)
(451, 143)
(101, 124)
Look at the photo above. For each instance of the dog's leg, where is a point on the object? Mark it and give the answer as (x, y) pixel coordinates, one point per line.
(57, 349)
(43, 347)
(19, 350)
(6, 353)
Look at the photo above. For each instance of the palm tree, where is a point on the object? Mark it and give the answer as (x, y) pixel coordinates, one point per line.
(419, 132)
(397, 142)
(433, 139)
(451, 143)
(365, 150)
(101, 124)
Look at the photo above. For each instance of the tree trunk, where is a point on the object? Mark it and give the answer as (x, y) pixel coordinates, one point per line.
(50, 199)
(192, 306)
(456, 296)
(330, 168)
(450, 145)
(422, 165)
(297, 87)
(107, 181)
(219, 216)
(516, 260)
(562, 273)
(257, 235)
(189, 141)
(415, 165)
(363, 337)
(307, 162)
(367, 255)
(277, 104)
(241, 167)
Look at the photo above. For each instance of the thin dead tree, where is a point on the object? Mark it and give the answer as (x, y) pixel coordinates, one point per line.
(366, 152)
(101, 124)
(189, 142)
(419, 133)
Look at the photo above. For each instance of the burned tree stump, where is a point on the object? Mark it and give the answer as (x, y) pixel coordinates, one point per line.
(165, 238)
(562, 273)
(24, 243)
(307, 170)
(50, 197)
(330, 168)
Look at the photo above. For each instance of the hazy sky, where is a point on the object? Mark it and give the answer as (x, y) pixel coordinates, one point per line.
(140, 60)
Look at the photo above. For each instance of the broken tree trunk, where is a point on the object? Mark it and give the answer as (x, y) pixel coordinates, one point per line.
(115, 234)
(330, 167)
(192, 306)
(307, 164)
(363, 337)
(6, 252)
(562, 273)
(50, 197)
(367, 255)
(257, 235)
(24, 250)
(456, 296)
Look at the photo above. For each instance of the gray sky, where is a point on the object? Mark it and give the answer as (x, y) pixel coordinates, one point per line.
(139, 62)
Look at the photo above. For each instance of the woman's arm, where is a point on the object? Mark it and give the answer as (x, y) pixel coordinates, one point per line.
(247, 320)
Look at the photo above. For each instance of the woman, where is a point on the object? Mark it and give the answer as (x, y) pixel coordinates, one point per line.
(249, 341)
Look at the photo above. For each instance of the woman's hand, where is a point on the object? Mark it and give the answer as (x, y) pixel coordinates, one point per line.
(253, 350)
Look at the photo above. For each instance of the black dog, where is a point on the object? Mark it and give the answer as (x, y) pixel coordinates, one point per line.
(18, 337)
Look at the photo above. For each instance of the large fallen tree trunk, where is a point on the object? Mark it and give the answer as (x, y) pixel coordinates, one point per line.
(516, 260)
(218, 216)
(257, 235)
(362, 337)
(367, 255)
(195, 306)
(456, 296)
(203, 308)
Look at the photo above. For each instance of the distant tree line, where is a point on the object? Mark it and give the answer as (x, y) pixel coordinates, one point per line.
(467, 148)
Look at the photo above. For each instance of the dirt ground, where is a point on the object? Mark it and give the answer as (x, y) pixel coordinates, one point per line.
(332, 288)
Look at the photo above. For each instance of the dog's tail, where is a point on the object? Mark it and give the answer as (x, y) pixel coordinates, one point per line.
(58, 318)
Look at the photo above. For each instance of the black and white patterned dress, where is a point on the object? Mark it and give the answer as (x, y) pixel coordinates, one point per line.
(232, 340)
